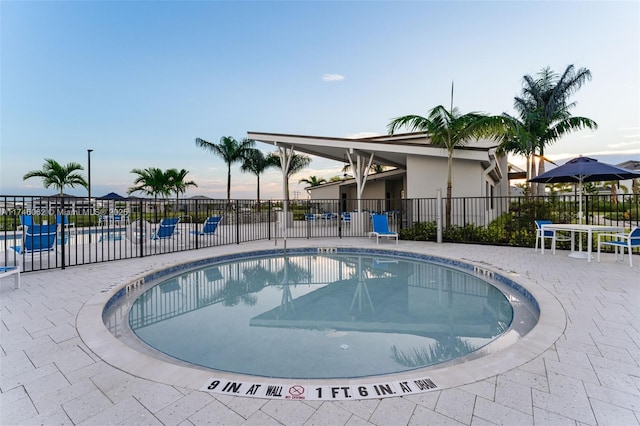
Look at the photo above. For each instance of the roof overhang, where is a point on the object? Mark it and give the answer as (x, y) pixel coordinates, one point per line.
(388, 150)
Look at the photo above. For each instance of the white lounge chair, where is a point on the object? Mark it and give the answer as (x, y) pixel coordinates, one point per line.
(6, 271)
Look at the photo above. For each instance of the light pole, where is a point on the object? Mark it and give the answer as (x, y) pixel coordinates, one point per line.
(89, 190)
(89, 177)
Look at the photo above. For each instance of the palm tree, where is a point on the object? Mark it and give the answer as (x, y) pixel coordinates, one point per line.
(151, 181)
(560, 188)
(545, 109)
(255, 162)
(450, 129)
(56, 175)
(519, 141)
(613, 186)
(313, 181)
(297, 163)
(176, 181)
(231, 151)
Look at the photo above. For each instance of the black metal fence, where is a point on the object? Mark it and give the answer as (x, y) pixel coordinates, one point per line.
(106, 230)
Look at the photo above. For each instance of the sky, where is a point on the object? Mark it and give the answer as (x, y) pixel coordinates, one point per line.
(138, 82)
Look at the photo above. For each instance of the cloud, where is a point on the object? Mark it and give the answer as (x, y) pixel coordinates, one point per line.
(623, 144)
(563, 156)
(332, 77)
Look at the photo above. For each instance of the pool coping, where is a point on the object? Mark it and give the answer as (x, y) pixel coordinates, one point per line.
(94, 333)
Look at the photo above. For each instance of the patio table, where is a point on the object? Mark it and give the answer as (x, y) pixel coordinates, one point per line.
(575, 227)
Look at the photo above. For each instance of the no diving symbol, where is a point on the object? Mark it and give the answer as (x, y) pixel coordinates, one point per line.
(296, 391)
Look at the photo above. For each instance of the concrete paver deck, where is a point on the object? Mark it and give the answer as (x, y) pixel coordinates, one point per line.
(590, 375)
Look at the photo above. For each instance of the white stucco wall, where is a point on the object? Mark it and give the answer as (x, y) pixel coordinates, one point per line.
(322, 192)
(425, 175)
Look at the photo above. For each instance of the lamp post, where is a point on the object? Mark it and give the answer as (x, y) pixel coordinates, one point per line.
(89, 190)
(89, 176)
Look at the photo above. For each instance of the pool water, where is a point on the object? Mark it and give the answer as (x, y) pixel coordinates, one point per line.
(316, 316)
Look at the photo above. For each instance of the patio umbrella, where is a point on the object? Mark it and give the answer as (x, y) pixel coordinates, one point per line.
(111, 196)
(581, 170)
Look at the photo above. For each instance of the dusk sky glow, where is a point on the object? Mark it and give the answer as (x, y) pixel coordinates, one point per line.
(138, 82)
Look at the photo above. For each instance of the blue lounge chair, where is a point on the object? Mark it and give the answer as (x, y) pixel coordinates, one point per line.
(381, 228)
(621, 241)
(166, 229)
(38, 239)
(143, 232)
(210, 226)
(25, 221)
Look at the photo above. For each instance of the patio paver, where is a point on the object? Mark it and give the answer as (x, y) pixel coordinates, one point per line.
(590, 375)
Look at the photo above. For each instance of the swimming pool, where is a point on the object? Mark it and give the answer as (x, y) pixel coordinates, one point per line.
(324, 313)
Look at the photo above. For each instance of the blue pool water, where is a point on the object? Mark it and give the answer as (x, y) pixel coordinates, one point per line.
(327, 315)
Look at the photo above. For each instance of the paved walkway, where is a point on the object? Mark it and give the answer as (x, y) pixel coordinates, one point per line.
(589, 375)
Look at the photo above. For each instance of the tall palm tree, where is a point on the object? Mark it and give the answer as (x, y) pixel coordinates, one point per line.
(254, 161)
(545, 108)
(519, 140)
(313, 181)
(297, 163)
(56, 175)
(449, 129)
(176, 181)
(230, 150)
(151, 181)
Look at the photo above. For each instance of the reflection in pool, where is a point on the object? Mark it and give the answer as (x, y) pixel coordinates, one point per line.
(322, 315)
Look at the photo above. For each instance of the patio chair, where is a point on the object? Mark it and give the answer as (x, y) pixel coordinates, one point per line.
(145, 232)
(6, 271)
(166, 229)
(328, 216)
(553, 235)
(38, 239)
(64, 220)
(25, 220)
(381, 228)
(621, 241)
(209, 227)
(345, 217)
(309, 217)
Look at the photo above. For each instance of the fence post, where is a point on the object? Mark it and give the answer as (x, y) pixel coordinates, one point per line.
(237, 222)
(269, 220)
(439, 216)
(141, 229)
(62, 230)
